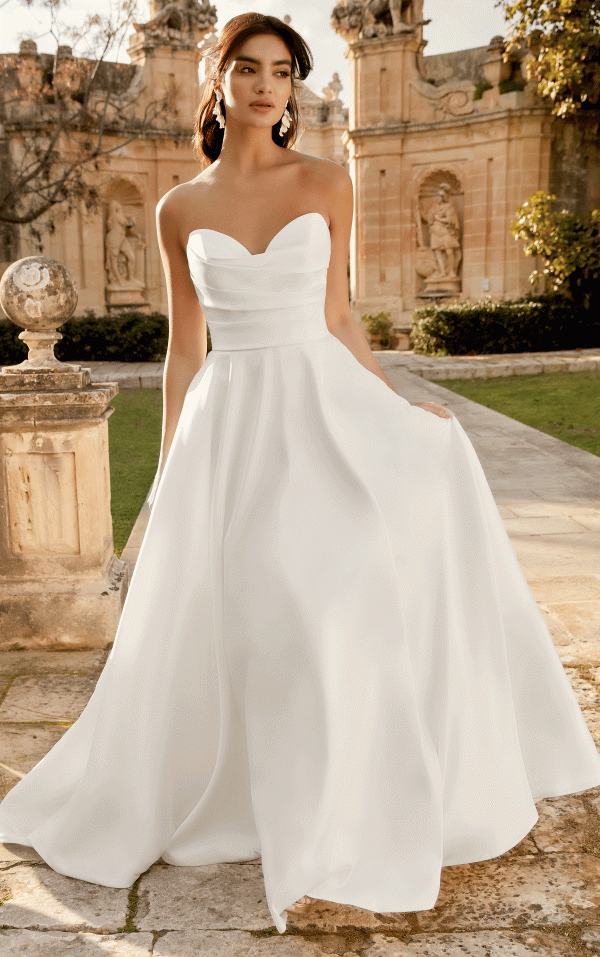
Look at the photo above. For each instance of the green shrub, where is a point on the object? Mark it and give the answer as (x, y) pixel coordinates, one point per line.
(569, 244)
(378, 325)
(118, 337)
(480, 89)
(513, 83)
(526, 325)
(12, 349)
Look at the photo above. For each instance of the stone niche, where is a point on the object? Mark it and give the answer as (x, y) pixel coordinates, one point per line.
(439, 217)
(124, 246)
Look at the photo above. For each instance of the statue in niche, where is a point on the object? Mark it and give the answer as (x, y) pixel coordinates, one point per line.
(444, 230)
(121, 242)
(438, 263)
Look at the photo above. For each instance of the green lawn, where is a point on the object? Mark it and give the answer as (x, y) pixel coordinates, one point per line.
(563, 404)
(134, 431)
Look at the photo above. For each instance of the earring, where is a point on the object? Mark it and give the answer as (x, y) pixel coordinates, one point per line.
(218, 110)
(286, 120)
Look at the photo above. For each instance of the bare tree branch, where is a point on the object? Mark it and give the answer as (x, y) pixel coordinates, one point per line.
(53, 134)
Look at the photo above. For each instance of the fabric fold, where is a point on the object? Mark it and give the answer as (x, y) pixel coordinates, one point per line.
(328, 655)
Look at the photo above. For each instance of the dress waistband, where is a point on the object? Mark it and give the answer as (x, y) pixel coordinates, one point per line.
(278, 329)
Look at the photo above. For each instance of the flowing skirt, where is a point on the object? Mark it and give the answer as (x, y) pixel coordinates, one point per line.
(328, 656)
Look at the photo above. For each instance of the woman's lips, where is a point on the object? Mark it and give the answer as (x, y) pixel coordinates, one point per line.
(260, 108)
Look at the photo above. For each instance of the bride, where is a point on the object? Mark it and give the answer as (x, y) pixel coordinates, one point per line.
(328, 655)
(252, 186)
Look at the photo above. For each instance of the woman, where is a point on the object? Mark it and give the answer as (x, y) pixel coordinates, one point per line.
(328, 655)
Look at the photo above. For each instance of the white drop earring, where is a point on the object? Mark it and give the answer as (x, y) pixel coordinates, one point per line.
(286, 121)
(218, 110)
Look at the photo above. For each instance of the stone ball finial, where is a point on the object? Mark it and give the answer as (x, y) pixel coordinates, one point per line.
(38, 293)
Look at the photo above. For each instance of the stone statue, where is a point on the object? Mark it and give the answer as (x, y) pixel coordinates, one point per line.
(332, 91)
(376, 18)
(437, 263)
(179, 21)
(122, 240)
(444, 231)
(29, 71)
(68, 73)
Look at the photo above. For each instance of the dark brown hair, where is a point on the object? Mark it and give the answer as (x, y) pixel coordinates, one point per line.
(208, 136)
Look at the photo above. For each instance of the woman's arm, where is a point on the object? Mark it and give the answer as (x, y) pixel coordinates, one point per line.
(187, 346)
(340, 322)
(339, 318)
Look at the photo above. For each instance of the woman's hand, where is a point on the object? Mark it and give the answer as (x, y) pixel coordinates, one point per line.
(436, 408)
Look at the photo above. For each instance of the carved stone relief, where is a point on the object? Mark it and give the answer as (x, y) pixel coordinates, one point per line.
(363, 19)
(29, 71)
(68, 73)
(451, 99)
(123, 244)
(177, 22)
(438, 208)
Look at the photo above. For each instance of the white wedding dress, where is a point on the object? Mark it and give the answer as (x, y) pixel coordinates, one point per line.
(328, 656)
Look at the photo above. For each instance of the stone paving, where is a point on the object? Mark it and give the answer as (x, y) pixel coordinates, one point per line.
(135, 375)
(541, 897)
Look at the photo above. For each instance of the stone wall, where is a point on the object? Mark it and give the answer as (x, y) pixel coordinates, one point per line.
(465, 126)
(112, 252)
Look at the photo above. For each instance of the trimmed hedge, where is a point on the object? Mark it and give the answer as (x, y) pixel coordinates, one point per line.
(539, 324)
(12, 349)
(119, 337)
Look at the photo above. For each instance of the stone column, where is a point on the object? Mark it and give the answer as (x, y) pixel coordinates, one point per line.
(385, 43)
(60, 583)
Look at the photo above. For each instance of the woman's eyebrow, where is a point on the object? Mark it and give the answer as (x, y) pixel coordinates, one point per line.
(251, 59)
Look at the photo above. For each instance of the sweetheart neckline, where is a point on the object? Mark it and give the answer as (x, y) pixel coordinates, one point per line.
(204, 229)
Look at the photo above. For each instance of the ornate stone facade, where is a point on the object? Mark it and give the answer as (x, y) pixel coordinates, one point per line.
(442, 150)
(113, 253)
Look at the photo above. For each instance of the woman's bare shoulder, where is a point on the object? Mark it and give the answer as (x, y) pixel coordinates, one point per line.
(325, 175)
(320, 166)
(178, 199)
(328, 180)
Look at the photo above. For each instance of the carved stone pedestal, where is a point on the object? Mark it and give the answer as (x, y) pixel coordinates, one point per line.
(451, 286)
(60, 583)
(126, 294)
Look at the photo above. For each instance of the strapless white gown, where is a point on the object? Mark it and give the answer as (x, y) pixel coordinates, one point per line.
(328, 656)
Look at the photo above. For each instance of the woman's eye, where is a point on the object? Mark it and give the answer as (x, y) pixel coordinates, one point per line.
(284, 72)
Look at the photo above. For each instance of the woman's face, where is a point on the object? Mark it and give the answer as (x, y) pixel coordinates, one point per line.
(259, 70)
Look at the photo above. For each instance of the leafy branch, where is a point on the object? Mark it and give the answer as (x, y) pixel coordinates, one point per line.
(564, 42)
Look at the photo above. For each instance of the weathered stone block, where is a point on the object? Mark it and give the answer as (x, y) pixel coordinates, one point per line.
(47, 697)
(39, 897)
